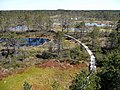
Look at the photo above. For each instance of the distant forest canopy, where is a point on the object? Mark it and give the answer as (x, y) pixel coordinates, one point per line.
(102, 14)
(43, 19)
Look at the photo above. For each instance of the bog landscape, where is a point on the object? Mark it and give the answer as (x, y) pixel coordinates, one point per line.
(60, 50)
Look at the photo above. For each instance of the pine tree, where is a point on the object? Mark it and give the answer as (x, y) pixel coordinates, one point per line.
(85, 81)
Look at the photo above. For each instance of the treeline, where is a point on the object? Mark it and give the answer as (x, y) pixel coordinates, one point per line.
(42, 19)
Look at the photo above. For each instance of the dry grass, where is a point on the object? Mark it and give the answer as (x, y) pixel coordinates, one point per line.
(69, 44)
(42, 78)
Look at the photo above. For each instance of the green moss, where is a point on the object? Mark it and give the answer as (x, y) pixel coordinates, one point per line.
(39, 78)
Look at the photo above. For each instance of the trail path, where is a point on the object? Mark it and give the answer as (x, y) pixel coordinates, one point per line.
(92, 65)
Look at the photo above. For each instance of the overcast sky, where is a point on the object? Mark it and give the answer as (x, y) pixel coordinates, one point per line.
(59, 4)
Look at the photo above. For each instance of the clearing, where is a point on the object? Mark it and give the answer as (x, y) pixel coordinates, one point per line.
(42, 76)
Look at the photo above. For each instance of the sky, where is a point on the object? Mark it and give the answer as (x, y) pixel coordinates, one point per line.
(59, 4)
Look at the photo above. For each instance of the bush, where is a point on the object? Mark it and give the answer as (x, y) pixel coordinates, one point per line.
(110, 79)
(82, 82)
(55, 85)
(27, 86)
(47, 55)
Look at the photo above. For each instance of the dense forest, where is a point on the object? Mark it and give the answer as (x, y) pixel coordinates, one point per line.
(49, 46)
